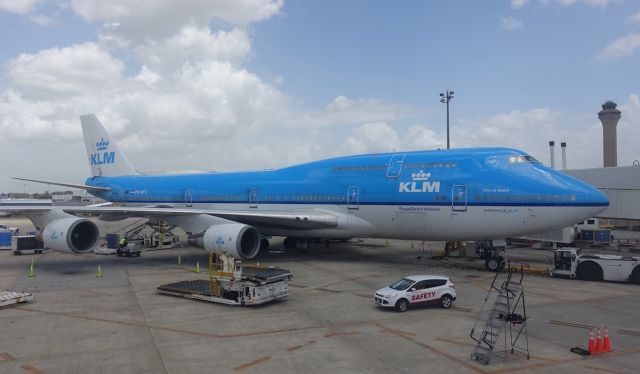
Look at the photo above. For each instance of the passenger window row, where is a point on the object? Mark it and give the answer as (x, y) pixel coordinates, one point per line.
(360, 168)
(526, 198)
(427, 165)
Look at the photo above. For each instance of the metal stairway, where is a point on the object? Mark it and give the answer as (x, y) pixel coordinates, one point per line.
(132, 230)
(502, 316)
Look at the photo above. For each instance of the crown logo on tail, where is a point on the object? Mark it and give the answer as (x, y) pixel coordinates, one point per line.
(102, 144)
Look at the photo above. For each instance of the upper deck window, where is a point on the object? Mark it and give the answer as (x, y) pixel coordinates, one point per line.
(522, 159)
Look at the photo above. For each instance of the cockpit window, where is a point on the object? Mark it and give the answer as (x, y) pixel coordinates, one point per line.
(522, 159)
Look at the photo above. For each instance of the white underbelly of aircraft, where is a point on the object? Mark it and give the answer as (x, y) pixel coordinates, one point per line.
(425, 222)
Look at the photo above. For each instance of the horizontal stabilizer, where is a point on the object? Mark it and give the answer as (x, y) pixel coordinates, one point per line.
(71, 185)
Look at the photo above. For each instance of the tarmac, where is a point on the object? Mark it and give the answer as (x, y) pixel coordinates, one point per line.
(78, 323)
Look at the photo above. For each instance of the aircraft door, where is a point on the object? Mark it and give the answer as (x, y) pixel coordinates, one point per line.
(253, 198)
(188, 198)
(395, 166)
(353, 197)
(459, 198)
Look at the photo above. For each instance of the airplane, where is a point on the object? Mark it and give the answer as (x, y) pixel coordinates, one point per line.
(440, 195)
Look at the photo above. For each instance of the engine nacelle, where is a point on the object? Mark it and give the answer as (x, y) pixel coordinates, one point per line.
(240, 241)
(77, 235)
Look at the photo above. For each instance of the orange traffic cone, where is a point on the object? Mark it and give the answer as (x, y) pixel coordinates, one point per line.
(606, 343)
(592, 343)
(599, 342)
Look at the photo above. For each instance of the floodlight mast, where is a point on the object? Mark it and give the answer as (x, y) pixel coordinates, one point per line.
(445, 98)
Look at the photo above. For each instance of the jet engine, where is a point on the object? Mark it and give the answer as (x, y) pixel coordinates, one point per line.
(240, 241)
(77, 235)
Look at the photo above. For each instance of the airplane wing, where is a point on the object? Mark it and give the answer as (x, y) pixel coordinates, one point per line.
(295, 219)
(291, 219)
(71, 185)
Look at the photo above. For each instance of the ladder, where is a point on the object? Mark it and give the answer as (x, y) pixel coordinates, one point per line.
(507, 312)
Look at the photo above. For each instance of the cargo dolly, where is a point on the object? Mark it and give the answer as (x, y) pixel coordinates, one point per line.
(232, 283)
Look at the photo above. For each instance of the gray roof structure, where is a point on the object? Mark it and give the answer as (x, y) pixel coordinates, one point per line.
(621, 184)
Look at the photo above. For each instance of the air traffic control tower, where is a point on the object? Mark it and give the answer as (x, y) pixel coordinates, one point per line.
(609, 117)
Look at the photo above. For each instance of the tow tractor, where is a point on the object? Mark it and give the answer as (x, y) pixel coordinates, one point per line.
(234, 284)
(572, 263)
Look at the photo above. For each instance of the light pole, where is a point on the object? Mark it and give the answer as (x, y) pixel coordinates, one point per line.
(446, 98)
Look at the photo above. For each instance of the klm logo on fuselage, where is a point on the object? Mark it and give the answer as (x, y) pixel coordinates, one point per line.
(104, 157)
(420, 183)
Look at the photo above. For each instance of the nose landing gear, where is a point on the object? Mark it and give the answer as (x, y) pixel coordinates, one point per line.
(493, 255)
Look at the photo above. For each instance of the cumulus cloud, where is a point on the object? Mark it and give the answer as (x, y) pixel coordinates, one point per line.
(593, 3)
(635, 19)
(382, 137)
(62, 72)
(184, 100)
(140, 20)
(19, 6)
(621, 47)
(176, 98)
(517, 4)
(510, 23)
(44, 20)
(193, 44)
(372, 137)
(344, 110)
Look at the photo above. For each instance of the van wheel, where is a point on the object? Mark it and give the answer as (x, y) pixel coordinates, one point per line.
(635, 275)
(402, 305)
(589, 271)
(446, 301)
(494, 263)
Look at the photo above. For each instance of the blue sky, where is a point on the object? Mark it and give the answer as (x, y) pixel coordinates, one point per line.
(409, 53)
(250, 84)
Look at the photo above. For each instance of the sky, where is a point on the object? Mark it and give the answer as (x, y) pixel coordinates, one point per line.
(200, 85)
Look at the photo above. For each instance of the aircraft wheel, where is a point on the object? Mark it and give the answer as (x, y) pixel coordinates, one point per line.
(589, 271)
(494, 263)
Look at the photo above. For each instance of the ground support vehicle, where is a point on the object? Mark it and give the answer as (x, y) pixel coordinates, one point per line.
(130, 250)
(20, 244)
(415, 290)
(233, 284)
(572, 263)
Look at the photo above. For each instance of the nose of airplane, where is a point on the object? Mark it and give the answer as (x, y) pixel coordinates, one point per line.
(586, 195)
(597, 199)
(589, 199)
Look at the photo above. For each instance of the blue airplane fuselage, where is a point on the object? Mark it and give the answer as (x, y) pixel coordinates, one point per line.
(433, 193)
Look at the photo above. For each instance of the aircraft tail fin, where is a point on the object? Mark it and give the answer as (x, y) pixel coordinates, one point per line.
(104, 156)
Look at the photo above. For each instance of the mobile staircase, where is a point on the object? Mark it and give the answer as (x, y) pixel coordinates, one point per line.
(132, 230)
(508, 313)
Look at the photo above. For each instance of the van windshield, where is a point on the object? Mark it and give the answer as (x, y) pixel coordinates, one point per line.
(402, 284)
